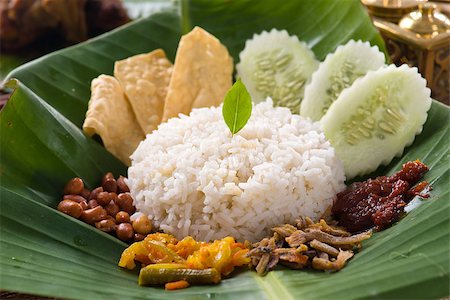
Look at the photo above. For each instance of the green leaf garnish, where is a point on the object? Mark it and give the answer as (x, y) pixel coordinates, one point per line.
(237, 107)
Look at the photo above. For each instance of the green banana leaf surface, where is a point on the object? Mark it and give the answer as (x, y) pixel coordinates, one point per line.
(45, 252)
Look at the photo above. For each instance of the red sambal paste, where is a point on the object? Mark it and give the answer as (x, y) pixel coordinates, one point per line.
(379, 202)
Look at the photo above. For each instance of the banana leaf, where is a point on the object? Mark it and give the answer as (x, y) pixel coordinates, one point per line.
(45, 252)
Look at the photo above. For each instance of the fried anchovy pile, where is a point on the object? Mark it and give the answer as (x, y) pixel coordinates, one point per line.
(307, 245)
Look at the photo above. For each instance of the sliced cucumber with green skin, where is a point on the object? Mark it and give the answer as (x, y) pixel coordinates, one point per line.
(338, 71)
(274, 64)
(377, 117)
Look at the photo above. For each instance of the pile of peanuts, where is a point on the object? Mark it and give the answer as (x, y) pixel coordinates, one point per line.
(107, 207)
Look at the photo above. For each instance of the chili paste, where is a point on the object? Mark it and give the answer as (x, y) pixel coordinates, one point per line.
(379, 202)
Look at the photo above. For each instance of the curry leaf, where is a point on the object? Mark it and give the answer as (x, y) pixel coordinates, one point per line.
(237, 107)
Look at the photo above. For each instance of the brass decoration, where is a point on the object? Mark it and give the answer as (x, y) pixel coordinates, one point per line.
(426, 22)
(422, 39)
(430, 55)
(391, 10)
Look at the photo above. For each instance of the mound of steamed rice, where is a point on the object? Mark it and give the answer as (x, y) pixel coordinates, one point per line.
(192, 177)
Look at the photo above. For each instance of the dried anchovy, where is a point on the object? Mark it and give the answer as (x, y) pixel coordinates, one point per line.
(303, 223)
(320, 245)
(323, 255)
(263, 262)
(325, 264)
(285, 230)
(333, 230)
(325, 248)
(300, 237)
(264, 259)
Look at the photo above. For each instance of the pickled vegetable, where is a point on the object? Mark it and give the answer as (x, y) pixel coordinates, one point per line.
(131, 253)
(157, 275)
(160, 253)
(181, 284)
(167, 260)
(218, 255)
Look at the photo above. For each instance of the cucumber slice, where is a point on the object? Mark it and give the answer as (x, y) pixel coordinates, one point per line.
(377, 117)
(274, 64)
(337, 72)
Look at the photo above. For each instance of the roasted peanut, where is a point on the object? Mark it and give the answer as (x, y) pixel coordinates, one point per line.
(106, 225)
(112, 208)
(76, 198)
(124, 231)
(103, 198)
(142, 225)
(85, 193)
(93, 215)
(125, 202)
(93, 203)
(84, 205)
(122, 217)
(138, 237)
(109, 184)
(108, 217)
(121, 185)
(70, 208)
(105, 207)
(95, 193)
(74, 186)
(113, 196)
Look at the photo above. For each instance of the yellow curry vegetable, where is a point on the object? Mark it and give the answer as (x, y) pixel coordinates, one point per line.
(165, 259)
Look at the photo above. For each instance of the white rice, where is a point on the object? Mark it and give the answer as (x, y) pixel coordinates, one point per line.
(192, 177)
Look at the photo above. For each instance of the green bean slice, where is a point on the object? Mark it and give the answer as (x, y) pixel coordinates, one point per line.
(152, 275)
